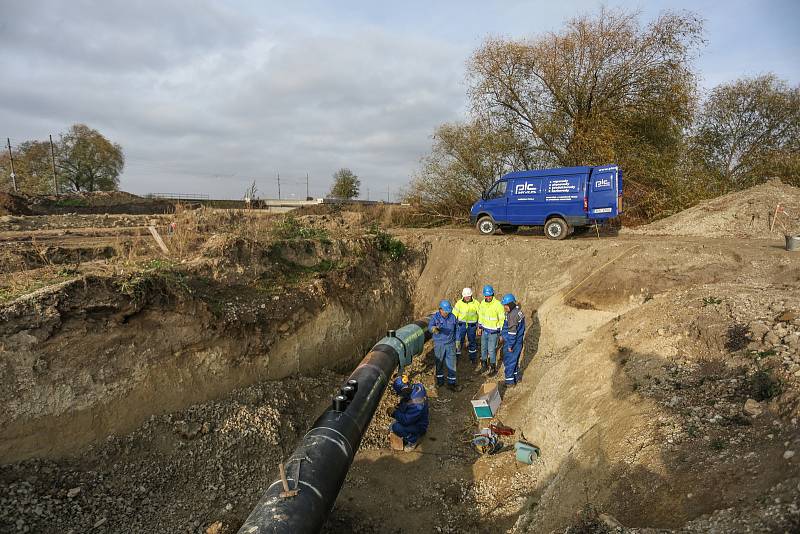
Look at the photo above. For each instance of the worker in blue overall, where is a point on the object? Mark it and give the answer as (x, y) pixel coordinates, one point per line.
(411, 413)
(442, 325)
(466, 312)
(513, 334)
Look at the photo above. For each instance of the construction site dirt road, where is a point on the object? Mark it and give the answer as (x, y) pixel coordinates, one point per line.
(152, 393)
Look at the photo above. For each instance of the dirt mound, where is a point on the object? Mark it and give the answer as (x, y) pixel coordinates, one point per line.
(745, 213)
(118, 202)
(11, 204)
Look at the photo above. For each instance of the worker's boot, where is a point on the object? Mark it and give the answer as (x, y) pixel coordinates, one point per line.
(482, 368)
(493, 370)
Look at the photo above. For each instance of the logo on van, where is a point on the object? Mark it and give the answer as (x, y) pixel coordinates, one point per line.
(526, 188)
(602, 182)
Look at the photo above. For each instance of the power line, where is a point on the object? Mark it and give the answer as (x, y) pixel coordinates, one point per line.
(11, 157)
(53, 161)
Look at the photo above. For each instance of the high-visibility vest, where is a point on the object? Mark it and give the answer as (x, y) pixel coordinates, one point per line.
(491, 314)
(466, 312)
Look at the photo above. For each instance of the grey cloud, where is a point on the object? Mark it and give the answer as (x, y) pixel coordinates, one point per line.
(204, 99)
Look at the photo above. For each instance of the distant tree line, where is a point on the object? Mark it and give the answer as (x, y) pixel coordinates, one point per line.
(84, 159)
(607, 89)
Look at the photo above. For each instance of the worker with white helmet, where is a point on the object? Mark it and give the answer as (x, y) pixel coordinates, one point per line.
(466, 312)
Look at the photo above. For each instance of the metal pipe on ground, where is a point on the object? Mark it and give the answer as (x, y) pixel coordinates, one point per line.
(319, 465)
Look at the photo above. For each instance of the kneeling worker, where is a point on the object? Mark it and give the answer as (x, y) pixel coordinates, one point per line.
(411, 413)
(442, 325)
(513, 333)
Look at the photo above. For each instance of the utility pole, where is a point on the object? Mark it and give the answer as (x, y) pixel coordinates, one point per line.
(307, 195)
(368, 194)
(387, 194)
(53, 161)
(279, 186)
(11, 157)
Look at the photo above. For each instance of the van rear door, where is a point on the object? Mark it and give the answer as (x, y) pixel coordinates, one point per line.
(603, 187)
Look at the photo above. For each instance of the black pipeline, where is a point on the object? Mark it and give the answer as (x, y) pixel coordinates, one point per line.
(318, 467)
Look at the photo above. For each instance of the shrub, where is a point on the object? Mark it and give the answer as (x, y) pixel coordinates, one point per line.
(738, 337)
(384, 241)
(763, 386)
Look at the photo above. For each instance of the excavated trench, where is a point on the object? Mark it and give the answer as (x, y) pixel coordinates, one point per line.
(166, 407)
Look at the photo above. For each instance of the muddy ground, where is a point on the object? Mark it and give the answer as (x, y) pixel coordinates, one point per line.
(661, 379)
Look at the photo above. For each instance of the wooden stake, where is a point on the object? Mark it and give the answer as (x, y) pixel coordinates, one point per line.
(158, 239)
(774, 216)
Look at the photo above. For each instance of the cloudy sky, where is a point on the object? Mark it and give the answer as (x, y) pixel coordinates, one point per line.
(205, 97)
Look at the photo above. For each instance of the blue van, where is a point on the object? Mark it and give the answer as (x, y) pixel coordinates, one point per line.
(561, 200)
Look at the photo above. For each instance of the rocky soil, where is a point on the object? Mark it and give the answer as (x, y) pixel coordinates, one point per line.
(198, 470)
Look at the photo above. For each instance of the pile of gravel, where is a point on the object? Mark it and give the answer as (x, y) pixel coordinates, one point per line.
(199, 470)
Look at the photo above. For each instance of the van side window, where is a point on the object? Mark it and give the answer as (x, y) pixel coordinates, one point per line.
(498, 191)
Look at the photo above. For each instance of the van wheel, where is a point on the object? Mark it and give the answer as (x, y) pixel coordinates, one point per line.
(486, 226)
(556, 228)
(509, 229)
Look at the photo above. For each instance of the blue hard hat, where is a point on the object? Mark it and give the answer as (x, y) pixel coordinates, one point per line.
(401, 385)
(508, 298)
(446, 306)
(488, 290)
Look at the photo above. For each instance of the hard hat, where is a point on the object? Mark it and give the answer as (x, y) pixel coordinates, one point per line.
(508, 298)
(488, 290)
(401, 385)
(466, 292)
(446, 306)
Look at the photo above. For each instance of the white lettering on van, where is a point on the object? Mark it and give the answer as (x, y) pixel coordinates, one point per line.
(602, 182)
(526, 188)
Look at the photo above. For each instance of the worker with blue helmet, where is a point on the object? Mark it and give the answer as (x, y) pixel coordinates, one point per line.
(490, 322)
(442, 325)
(513, 333)
(411, 413)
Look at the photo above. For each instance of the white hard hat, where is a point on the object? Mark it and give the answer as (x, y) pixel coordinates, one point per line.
(466, 292)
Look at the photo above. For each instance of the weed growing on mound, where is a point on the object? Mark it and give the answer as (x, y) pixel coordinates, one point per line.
(738, 337)
(763, 386)
(154, 272)
(384, 242)
(290, 228)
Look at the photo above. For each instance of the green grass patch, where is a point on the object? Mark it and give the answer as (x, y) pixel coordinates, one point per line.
(288, 227)
(68, 202)
(153, 273)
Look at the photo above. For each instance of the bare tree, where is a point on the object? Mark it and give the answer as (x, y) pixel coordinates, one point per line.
(31, 166)
(603, 89)
(749, 130)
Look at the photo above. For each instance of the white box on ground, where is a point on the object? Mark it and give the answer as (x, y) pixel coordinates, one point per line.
(486, 402)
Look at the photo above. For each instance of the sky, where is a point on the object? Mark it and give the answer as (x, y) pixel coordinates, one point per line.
(206, 97)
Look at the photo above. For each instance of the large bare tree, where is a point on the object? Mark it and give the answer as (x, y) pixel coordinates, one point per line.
(747, 131)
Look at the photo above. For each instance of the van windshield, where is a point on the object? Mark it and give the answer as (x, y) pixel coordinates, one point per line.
(498, 191)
